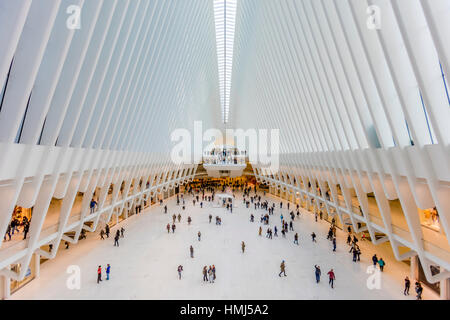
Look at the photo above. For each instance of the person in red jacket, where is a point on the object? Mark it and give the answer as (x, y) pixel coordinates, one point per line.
(332, 277)
(99, 274)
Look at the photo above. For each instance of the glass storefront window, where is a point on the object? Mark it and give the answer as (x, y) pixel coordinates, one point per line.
(430, 218)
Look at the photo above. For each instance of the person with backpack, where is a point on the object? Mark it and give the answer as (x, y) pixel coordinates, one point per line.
(381, 263)
(375, 260)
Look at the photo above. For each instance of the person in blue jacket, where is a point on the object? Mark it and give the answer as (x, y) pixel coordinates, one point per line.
(108, 270)
(318, 273)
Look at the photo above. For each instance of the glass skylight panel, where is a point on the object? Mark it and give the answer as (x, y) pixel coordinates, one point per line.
(225, 17)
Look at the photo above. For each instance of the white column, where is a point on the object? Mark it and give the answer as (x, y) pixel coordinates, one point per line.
(414, 273)
(5, 287)
(37, 265)
(445, 289)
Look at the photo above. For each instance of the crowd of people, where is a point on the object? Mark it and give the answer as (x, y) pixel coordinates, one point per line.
(251, 198)
(14, 227)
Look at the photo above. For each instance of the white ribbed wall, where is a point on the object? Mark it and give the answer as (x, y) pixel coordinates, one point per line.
(348, 101)
(85, 109)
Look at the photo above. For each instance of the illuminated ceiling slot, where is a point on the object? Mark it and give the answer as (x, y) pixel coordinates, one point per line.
(225, 16)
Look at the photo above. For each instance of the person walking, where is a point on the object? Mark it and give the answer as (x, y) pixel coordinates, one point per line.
(99, 274)
(313, 237)
(180, 269)
(189, 220)
(381, 263)
(349, 239)
(179, 217)
(122, 230)
(334, 244)
(282, 269)
(168, 228)
(419, 290)
(332, 277)
(108, 271)
(173, 227)
(296, 238)
(407, 285)
(199, 235)
(92, 205)
(260, 231)
(165, 209)
(26, 228)
(358, 253)
(210, 217)
(116, 239)
(205, 274)
(243, 246)
(191, 250)
(317, 273)
(102, 234)
(107, 231)
(375, 260)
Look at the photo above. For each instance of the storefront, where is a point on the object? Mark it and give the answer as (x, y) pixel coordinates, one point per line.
(20, 212)
(29, 275)
(430, 218)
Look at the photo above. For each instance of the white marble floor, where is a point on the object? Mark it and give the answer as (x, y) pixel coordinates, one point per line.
(145, 264)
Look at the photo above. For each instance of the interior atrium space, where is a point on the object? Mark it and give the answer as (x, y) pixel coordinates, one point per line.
(193, 150)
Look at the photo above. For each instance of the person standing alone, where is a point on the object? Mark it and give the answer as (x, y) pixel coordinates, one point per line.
(282, 269)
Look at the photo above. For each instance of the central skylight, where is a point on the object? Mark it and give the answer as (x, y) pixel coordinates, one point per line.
(225, 17)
